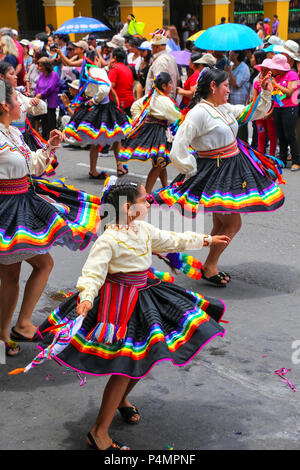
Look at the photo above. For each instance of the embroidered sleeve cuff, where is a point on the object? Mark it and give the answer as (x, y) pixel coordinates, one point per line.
(83, 297)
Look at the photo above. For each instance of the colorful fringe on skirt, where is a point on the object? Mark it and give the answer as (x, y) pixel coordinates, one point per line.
(229, 185)
(167, 323)
(32, 219)
(102, 124)
(150, 143)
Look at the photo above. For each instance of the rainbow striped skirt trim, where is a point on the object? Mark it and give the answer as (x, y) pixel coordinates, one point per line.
(231, 185)
(168, 323)
(150, 143)
(48, 214)
(102, 124)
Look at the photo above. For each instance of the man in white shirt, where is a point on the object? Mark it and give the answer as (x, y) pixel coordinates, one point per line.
(162, 61)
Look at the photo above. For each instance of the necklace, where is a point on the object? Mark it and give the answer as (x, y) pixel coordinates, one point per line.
(223, 116)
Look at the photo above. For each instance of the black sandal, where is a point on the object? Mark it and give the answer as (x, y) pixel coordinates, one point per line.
(115, 445)
(15, 336)
(224, 274)
(122, 172)
(216, 280)
(100, 176)
(127, 412)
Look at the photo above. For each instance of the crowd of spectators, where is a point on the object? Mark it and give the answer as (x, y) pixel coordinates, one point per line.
(48, 68)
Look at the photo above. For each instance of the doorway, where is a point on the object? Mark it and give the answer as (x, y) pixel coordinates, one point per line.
(31, 18)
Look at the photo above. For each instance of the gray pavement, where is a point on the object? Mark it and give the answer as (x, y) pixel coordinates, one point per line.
(228, 397)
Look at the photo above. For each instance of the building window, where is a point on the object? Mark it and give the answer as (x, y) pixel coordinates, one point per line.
(252, 11)
(294, 16)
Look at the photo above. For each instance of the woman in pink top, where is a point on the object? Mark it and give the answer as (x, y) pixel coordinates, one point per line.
(267, 123)
(285, 117)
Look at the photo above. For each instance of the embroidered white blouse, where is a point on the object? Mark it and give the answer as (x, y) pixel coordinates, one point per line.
(130, 250)
(12, 155)
(207, 127)
(161, 107)
(99, 92)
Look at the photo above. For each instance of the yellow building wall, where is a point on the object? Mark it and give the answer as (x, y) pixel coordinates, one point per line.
(212, 14)
(8, 16)
(151, 16)
(231, 12)
(282, 10)
(57, 15)
(83, 7)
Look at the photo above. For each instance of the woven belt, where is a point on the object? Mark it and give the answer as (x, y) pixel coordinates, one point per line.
(153, 120)
(137, 279)
(17, 186)
(222, 152)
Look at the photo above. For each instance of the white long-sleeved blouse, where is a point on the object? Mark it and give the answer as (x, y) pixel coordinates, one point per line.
(101, 91)
(161, 107)
(12, 155)
(207, 127)
(129, 250)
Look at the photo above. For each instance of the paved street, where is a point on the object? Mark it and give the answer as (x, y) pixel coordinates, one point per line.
(228, 397)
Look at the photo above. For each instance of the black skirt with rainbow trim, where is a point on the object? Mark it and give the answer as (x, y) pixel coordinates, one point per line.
(102, 124)
(231, 185)
(150, 143)
(168, 323)
(43, 215)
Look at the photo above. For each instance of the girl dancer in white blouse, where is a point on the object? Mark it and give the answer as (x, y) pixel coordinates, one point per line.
(219, 172)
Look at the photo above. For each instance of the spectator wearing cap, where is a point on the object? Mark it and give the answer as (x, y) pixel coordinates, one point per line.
(121, 78)
(162, 61)
(28, 59)
(197, 64)
(81, 47)
(267, 27)
(116, 42)
(285, 117)
(134, 57)
(47, 88)
(146, 54)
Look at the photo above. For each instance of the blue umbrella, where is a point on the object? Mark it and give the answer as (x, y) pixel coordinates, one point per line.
(228, 37)
(81, 24)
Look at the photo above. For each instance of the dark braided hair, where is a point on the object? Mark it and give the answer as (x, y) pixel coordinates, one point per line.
(162, 79)
(203, 88)
(126, 187)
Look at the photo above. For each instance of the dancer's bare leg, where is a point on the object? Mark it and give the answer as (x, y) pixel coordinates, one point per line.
(94, 152)
(9, 293)
(116, 149)
(222, 225)
(42, 266)
(163, 177)
(114, 391)
(153, 175)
